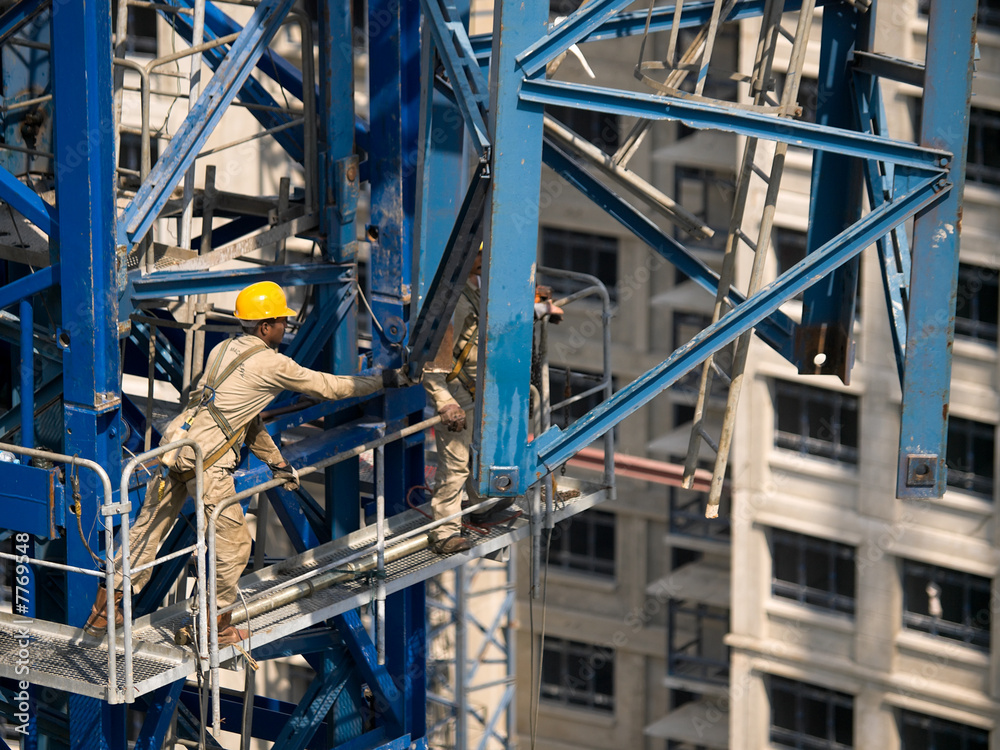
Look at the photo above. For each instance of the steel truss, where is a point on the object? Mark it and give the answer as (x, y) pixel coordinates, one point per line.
(109, 275)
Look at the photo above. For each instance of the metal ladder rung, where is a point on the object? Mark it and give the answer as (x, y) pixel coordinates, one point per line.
(786, 33)
(713, 444)
(746, 239)
(760, 173)
(720, 372)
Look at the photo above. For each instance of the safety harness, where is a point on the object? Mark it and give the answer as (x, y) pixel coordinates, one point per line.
(233, 437)
(458, 371)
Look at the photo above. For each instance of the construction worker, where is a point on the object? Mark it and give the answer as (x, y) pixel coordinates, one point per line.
(453, 392)
(242, 376)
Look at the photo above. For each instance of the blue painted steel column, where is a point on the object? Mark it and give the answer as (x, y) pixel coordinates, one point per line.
(338, 182)
(828, 307)
(931, 326)
(27, 376)
(82, 83)
(501, 423)
(394, 59)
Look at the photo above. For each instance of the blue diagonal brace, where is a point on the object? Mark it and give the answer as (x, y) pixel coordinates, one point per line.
(202, 119)
(19, 14)
(360, 645)
(574, 29)
(555, 447)
(893, 248)
(27, 202)
(162, 705)
(471, 91)
(313, 708)
(252, 92)
(777, 330)
(720, 117)
(28, 285)
(449, 279)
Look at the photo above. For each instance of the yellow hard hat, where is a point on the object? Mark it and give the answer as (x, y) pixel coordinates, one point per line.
(261, 301)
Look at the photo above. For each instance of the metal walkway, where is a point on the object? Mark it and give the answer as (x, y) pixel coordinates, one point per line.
(64, 658)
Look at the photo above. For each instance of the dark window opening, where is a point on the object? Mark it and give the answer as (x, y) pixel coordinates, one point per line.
(946, 603)
(810, 717)
(585, 543)
(922, 732)
(812, 571)
(578, 674)
(593, 254)
(816, 422)
(600, 129)
(976, 303)
(970, 455)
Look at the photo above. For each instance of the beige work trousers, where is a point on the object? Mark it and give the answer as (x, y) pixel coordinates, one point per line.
(452, 475)
(233, 540)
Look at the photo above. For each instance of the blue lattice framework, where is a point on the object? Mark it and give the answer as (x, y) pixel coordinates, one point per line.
(426, 222)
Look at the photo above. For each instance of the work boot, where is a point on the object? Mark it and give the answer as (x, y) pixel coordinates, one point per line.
(451, 545)
(492, 512)
(228, 633)
(97, 623)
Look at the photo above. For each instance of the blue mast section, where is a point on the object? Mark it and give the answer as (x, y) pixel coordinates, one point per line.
(931, 330)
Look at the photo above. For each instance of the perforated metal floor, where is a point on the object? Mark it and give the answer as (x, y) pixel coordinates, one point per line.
(65, 658)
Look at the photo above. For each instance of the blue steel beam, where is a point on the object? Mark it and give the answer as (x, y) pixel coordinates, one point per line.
(828, 309)
(894, 248)
(394, 77)
(581, 24)
(161, 704)
(449, 279)
(777, 330)
(728, 119)
(182, 283)
(951, 46)
(26, 286)
(500, 429)
(28, 202)
(312, 709)
(252, 92)
(555, 446)
(662, 18)
(202, 119)
(471, 92)
(19, 14)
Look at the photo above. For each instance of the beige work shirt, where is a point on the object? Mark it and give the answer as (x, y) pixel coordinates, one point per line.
(466, 326)
(252, 386)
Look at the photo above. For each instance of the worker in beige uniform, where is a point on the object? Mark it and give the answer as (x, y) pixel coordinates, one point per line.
(243, 375)
(453, 392)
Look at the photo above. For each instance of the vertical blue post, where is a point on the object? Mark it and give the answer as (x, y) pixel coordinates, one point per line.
(931, 329)
(394, 72)
(501, 423)
(27, 376)
(82, 88)
(828, 307)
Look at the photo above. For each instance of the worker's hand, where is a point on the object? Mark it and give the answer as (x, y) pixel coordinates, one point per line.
(289, 474)
(453, 417)
(549, 308)
(396, 378)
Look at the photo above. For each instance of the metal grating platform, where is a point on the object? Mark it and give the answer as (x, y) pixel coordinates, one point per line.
(65, 658)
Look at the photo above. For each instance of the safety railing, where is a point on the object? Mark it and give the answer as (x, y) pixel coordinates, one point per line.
(198, 548)
(323, 576)
(122, 508)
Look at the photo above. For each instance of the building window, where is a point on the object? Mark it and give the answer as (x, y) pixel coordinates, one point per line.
(921, 732)
(592, 254)
(988, 15)
(970, 455)
(585, 543)
(816, 422)
(578, 674)
(810, 717)
(687, 515)
(946, 603)
(141, 37)
(976, 303)
(601, 129)
(695, 641)
(573, 394)
(709, 196)
(983, 162)
(812, 571)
